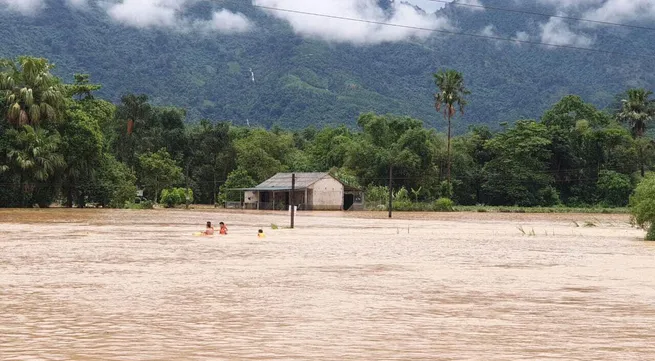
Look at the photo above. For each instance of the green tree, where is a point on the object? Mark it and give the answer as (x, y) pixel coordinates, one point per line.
(82, 88)
(175, 196)
(399, 144)
(450, 84)
(213, 157)
(470, 154)
(614, 188)
(82, 148)
(642, 205)
(518, 173)
(131, 122)
(114, 183)
(32, 154)
(637, 111)
(329, 147)
(263, 154)
(580, 134)
(239, 178)
(31, 93)
(158, 171)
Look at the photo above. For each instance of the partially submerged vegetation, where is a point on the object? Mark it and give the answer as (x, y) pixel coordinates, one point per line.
(643, 206)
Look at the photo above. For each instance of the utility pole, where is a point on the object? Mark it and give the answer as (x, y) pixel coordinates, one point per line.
(291, 200)
(390, 190)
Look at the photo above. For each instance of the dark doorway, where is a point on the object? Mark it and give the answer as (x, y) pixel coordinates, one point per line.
(348, 201)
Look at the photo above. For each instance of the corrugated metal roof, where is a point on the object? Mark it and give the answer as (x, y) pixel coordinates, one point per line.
(282, 181)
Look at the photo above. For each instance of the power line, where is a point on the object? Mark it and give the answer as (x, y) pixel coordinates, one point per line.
(525, 12)
(487, 37)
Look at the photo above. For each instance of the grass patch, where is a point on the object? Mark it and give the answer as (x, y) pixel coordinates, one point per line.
(590, 210)
(589, 224)
(440, 206)
(520, 228)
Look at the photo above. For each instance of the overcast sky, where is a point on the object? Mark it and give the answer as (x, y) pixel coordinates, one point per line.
(168, 14)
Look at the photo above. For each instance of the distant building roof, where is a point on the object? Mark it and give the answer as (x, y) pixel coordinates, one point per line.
(282, 182)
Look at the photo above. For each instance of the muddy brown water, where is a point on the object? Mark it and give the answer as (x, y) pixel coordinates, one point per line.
(136, 285)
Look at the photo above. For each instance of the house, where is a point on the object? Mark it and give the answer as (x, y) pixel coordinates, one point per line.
(313, 191)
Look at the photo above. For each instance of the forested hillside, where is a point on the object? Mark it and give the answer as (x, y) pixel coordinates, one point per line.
(301, 81)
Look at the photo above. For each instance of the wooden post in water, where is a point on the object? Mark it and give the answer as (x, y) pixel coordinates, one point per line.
(291, 200)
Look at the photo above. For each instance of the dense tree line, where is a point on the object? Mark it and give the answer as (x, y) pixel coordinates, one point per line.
(59, 143)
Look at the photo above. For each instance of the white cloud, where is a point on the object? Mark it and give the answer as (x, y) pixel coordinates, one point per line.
(522, 36)
(169, 14)
(489, 30)
(572, 4)
(25, 7)
(431, 6)
(227, 22)
(340, 30)
(607, 10)
(427, 5)
(623, 10)
(557, 32)
(145, 13)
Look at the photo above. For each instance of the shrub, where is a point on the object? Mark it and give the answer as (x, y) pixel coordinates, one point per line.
(145, 204)
(175, 196)
(446, 190)
(549, 196)
(377, 197)
(444, 205)
(642, 205)
(614, 188)
(402, 195)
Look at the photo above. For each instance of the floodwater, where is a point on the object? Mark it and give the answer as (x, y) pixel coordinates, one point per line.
(136, 285)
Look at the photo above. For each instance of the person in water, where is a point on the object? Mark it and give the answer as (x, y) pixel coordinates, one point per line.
(260, 234)
(223, 229)
(210, 229)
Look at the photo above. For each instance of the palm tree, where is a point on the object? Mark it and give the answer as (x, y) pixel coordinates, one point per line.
(451, 93)
(30, 93)
(132, 118)
(32, 153)
(637, 110)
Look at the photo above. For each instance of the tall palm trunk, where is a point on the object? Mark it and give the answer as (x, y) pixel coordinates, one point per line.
(641, 162)
(448, 151)
(22, 191)
(69, 197)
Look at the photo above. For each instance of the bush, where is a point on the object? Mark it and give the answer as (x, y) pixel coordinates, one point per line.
(614, 188)
(444, 205)
(175, 196)
(549, 196)
(402, 195)
(377, 196)
(238, 178)
(642, 205)
(446, 190)
(145, 204)
(650, 236)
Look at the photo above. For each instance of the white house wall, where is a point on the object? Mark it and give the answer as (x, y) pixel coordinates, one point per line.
(326, 194)
(250, 197)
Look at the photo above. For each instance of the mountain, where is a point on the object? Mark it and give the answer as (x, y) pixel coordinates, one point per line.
(300, 81)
